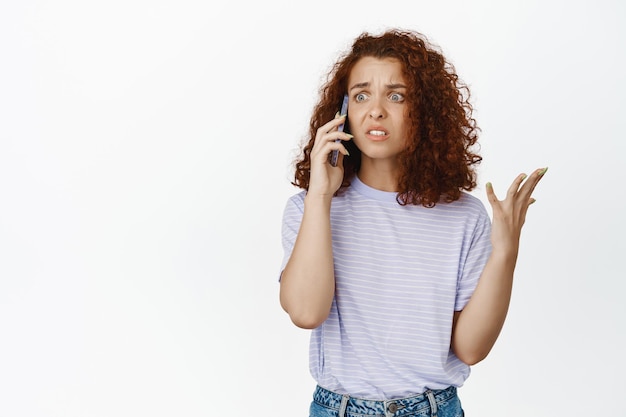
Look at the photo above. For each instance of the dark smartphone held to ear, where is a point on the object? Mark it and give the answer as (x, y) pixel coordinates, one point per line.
(344, 111)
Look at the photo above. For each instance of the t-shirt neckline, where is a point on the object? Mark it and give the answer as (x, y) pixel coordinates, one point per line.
(367, 191)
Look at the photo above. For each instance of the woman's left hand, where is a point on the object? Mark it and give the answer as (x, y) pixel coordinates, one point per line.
(509, 214)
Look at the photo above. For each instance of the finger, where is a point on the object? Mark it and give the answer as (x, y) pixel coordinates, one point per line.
(532, 182)
(340, 158)
(491, 195)
(335, 157)
(333, 137)
(329, 138)
(323, 152)
(332, 125)
(515, 186)
(331, 128)
(343, 150)
(524, 210)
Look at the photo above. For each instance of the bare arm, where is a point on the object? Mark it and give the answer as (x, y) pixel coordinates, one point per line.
(308, 281)
(477, 327)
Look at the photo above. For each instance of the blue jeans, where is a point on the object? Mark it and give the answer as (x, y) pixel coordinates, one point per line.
(438, 403)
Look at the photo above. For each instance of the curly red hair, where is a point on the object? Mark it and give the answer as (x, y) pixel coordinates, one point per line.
(438, 162)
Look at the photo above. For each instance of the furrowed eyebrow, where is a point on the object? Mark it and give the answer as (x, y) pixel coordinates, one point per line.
(366, 84)
(359, 85)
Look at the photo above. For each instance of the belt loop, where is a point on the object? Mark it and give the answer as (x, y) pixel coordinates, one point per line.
(344, 405)
(433, 403)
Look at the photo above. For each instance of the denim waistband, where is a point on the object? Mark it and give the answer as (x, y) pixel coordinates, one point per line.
(397, 407)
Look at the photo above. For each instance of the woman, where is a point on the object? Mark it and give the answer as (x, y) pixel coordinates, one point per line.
(397, 269)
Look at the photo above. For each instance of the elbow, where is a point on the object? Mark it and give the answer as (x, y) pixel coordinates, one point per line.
(303, 318)
(471, 358)
(305, 315)
(306, 320)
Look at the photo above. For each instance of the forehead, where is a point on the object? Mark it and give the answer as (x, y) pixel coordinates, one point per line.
(369, 69)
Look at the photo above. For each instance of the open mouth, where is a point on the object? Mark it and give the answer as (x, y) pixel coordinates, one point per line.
(377, 133)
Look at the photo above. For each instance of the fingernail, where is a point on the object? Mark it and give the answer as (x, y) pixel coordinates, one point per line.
(524, 177)
(532, 201)
(347, 153)
(489, 185)
(349, 135)
(337, 115)
(543, 171)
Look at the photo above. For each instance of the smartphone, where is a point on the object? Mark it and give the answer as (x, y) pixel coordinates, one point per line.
(344, 110)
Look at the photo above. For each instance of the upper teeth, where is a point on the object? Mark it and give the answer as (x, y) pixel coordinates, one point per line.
(377, 132)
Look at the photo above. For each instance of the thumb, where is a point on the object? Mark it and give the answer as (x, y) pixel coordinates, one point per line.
(491, 195)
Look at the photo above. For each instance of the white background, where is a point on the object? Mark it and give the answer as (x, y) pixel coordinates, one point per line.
(145, 159)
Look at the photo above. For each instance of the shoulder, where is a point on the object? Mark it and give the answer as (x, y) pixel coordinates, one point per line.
(297, 198)
(467, 209)
(469, 203)
(295, 202)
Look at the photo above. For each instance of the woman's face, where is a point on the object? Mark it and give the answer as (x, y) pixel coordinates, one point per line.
(377, 108)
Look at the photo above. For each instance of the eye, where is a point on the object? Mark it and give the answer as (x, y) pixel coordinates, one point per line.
(360, 97)
(396, 97)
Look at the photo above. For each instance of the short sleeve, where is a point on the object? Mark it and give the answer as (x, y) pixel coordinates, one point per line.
(475, 259)
(292, 217)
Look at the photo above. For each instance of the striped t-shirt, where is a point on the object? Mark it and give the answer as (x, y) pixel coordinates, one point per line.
(400, 272)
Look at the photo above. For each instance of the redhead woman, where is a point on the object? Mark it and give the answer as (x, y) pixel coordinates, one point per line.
(398, 270)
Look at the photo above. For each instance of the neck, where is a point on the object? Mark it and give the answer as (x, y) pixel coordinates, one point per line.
(381, 175)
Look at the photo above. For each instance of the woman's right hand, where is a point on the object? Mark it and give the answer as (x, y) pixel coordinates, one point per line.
(326, 179)
(307, 285)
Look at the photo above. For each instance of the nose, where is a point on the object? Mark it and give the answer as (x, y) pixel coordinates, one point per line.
(377, 109)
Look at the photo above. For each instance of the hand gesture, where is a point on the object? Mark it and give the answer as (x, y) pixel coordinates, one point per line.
(509, 214)
(326, 179)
